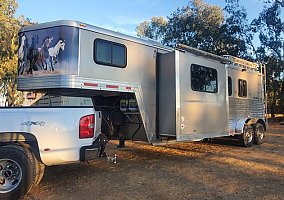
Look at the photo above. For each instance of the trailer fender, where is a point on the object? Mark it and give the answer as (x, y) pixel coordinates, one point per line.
(24, 139)
(261, 121)
(239, 128)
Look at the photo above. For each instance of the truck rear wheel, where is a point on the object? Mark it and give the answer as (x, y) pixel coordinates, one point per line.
(39, 167)
(246, 138)
(17, 172)
(259, 134)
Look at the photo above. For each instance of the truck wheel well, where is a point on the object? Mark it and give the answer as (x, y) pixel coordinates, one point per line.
(25, 140)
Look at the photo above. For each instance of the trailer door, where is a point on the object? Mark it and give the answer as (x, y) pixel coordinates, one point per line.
(201, 98)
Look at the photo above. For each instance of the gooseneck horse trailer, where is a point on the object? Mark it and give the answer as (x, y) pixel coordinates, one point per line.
(145, 90)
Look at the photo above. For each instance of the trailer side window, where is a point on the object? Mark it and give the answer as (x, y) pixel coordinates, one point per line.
(203, 79)
(109, 53)
(242, 88)
(230, 86)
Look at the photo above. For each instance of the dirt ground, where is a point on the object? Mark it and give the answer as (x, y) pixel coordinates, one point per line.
(218, 170)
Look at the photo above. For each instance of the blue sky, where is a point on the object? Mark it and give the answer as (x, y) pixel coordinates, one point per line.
(117, 15)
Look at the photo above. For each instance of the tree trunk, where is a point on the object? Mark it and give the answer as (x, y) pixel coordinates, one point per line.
(273, 105)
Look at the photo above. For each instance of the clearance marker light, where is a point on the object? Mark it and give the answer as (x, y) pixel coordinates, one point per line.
(91, 84)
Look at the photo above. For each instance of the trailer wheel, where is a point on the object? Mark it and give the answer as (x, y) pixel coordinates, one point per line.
(259, 134)
(246, 138)
(17, 172)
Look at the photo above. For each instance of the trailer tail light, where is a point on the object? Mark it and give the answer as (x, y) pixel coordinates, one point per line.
(86, 127)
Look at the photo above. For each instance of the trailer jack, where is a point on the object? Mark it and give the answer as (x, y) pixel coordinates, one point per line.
(102, 152)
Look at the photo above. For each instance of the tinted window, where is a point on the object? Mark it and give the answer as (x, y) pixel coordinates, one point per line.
(118, 55)
(109, 53)
(230, 87)
(103, 52)
(203, 79)
(242, 88)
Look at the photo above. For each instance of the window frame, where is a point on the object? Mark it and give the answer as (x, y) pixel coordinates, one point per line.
(242, 93)
(230, 86)
(111, 64)
(210, 68)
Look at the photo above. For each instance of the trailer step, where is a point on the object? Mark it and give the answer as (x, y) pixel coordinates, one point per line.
(164, 142)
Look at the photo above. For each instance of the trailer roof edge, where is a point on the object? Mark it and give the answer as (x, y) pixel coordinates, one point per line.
(90, 27)
(198, 52)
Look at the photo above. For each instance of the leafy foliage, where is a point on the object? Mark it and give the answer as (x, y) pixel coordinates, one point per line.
(236, 32)
(196, 25)
(154, 29)
(8, 31)
(8, 47)
(270, 28)
(9, 27)
(202, 26)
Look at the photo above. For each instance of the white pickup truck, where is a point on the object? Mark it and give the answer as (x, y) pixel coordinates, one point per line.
(31, 138)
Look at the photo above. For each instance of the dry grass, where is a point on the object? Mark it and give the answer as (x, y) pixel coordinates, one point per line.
(219, 170)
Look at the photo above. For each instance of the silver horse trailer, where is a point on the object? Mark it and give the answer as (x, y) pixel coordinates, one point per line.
(145, 90)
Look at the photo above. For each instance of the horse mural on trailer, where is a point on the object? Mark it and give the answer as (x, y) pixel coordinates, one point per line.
(32, 55)
(54, 51)
(38, 59)
(43, 55)
(22, 54)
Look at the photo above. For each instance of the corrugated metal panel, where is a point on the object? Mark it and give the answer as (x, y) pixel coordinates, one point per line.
(242, 108)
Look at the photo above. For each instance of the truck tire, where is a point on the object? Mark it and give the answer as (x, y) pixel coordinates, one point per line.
(17, 172)
(39, 167)
(259, 134)
(246, 138)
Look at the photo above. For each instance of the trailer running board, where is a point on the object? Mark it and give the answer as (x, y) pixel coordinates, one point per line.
(165, 141)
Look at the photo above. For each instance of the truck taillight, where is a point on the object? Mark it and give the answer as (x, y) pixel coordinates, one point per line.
(86, 128)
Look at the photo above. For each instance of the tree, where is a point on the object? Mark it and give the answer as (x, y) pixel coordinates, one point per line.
(9, 27)
(196, 25)
(8, 47)
(236, 31)
(202, 26)
(154, 29)
(270, 28)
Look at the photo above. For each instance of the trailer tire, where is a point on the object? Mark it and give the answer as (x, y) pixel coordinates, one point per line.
(17, 172)
(246, 138)
(259, 134)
